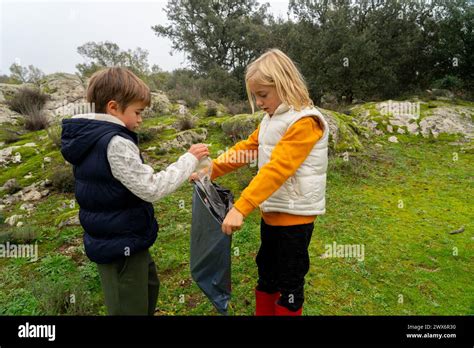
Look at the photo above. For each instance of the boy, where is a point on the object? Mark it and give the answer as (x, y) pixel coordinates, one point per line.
(115, 189)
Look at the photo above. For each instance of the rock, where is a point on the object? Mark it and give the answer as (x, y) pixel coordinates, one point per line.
(11, 199)
(44, 193)
(47, 159)
(67, 95)
(378, 145)
(7, 156)
(448, 120)
(8, 90)
(151, 148)
(182, 110)
(342, 131)
(28, 176)
(328, 100)
(16, 158)
(9, 116)
(413, 128)
(11, 186)
(185, 139)
(159, 105)
(29, 207)
(46, 183)
(437, 118)
(441, 94)
(12, 220)
(31, 195)
(214, 109)
(19, 224)
(393, 139)
(2, 206)
(71, 221)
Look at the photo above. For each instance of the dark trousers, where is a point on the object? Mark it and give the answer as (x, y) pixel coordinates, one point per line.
(283, 262)
(130, 285)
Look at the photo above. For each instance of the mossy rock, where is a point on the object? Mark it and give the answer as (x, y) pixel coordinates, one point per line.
(344, 132)
(239, 127)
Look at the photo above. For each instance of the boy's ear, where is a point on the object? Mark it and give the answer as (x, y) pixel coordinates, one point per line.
(112, 108)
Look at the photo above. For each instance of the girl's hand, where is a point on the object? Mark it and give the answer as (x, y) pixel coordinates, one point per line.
(232, 222)
(194, 176)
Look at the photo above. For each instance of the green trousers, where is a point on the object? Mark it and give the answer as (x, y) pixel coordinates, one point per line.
(130, 285)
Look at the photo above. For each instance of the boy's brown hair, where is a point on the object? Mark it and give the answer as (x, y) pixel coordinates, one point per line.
(117, 84)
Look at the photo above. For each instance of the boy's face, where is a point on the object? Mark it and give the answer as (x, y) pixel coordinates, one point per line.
(131, 116)
(266, 97)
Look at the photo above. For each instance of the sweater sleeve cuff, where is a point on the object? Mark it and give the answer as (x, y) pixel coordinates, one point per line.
(244, 206)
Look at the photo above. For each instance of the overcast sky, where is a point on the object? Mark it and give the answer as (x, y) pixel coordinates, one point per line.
(47, 33)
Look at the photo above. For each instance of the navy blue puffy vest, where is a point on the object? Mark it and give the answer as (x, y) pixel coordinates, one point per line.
(116, 222)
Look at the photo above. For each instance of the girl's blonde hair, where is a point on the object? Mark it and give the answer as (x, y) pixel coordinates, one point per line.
(275, 68)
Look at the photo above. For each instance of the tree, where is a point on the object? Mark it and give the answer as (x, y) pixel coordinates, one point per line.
(22, 74)
(224, 34)
(108, 54)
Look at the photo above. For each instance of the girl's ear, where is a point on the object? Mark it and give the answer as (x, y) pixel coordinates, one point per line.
(112, 108)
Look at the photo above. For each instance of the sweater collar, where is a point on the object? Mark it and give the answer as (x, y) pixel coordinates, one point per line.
(101, 117)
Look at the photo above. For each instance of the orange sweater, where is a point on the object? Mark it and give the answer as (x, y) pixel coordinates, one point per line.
(290, 152)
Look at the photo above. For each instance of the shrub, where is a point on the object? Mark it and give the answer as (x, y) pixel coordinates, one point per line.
(62, 179)
(449, 82)
(241, 126)
(211, 111)
(30, 102)
(148, 134)
(241, 107)
(54, 134)
(185, 122)
(27, 99)
(24, 234)
(36, 120)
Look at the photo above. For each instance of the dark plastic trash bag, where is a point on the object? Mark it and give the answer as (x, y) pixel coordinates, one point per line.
(210, 247)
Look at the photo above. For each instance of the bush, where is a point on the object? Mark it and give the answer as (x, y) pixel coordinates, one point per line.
(54, 134)
(27, 99)
(240, 107)
(37, 120)
(24, 234)
(185, 122)
(449, 82)
(211, 111)
(148, 134)
(241, 126)
(29, 103)
(62, 179)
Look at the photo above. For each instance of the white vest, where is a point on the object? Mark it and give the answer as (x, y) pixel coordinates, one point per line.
(304, 192)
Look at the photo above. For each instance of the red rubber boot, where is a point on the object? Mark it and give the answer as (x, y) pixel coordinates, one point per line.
(283, 311)
(265, 303)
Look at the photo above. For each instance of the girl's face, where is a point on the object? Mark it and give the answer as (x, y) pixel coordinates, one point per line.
(266, 97)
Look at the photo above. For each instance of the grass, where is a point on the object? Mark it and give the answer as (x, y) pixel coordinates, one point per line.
(400, 202)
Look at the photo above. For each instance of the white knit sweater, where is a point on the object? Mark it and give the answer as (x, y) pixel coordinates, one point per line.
(127, 167)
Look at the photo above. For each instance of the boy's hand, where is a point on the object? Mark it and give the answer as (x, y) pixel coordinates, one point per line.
(199, 150)
(232, 222)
